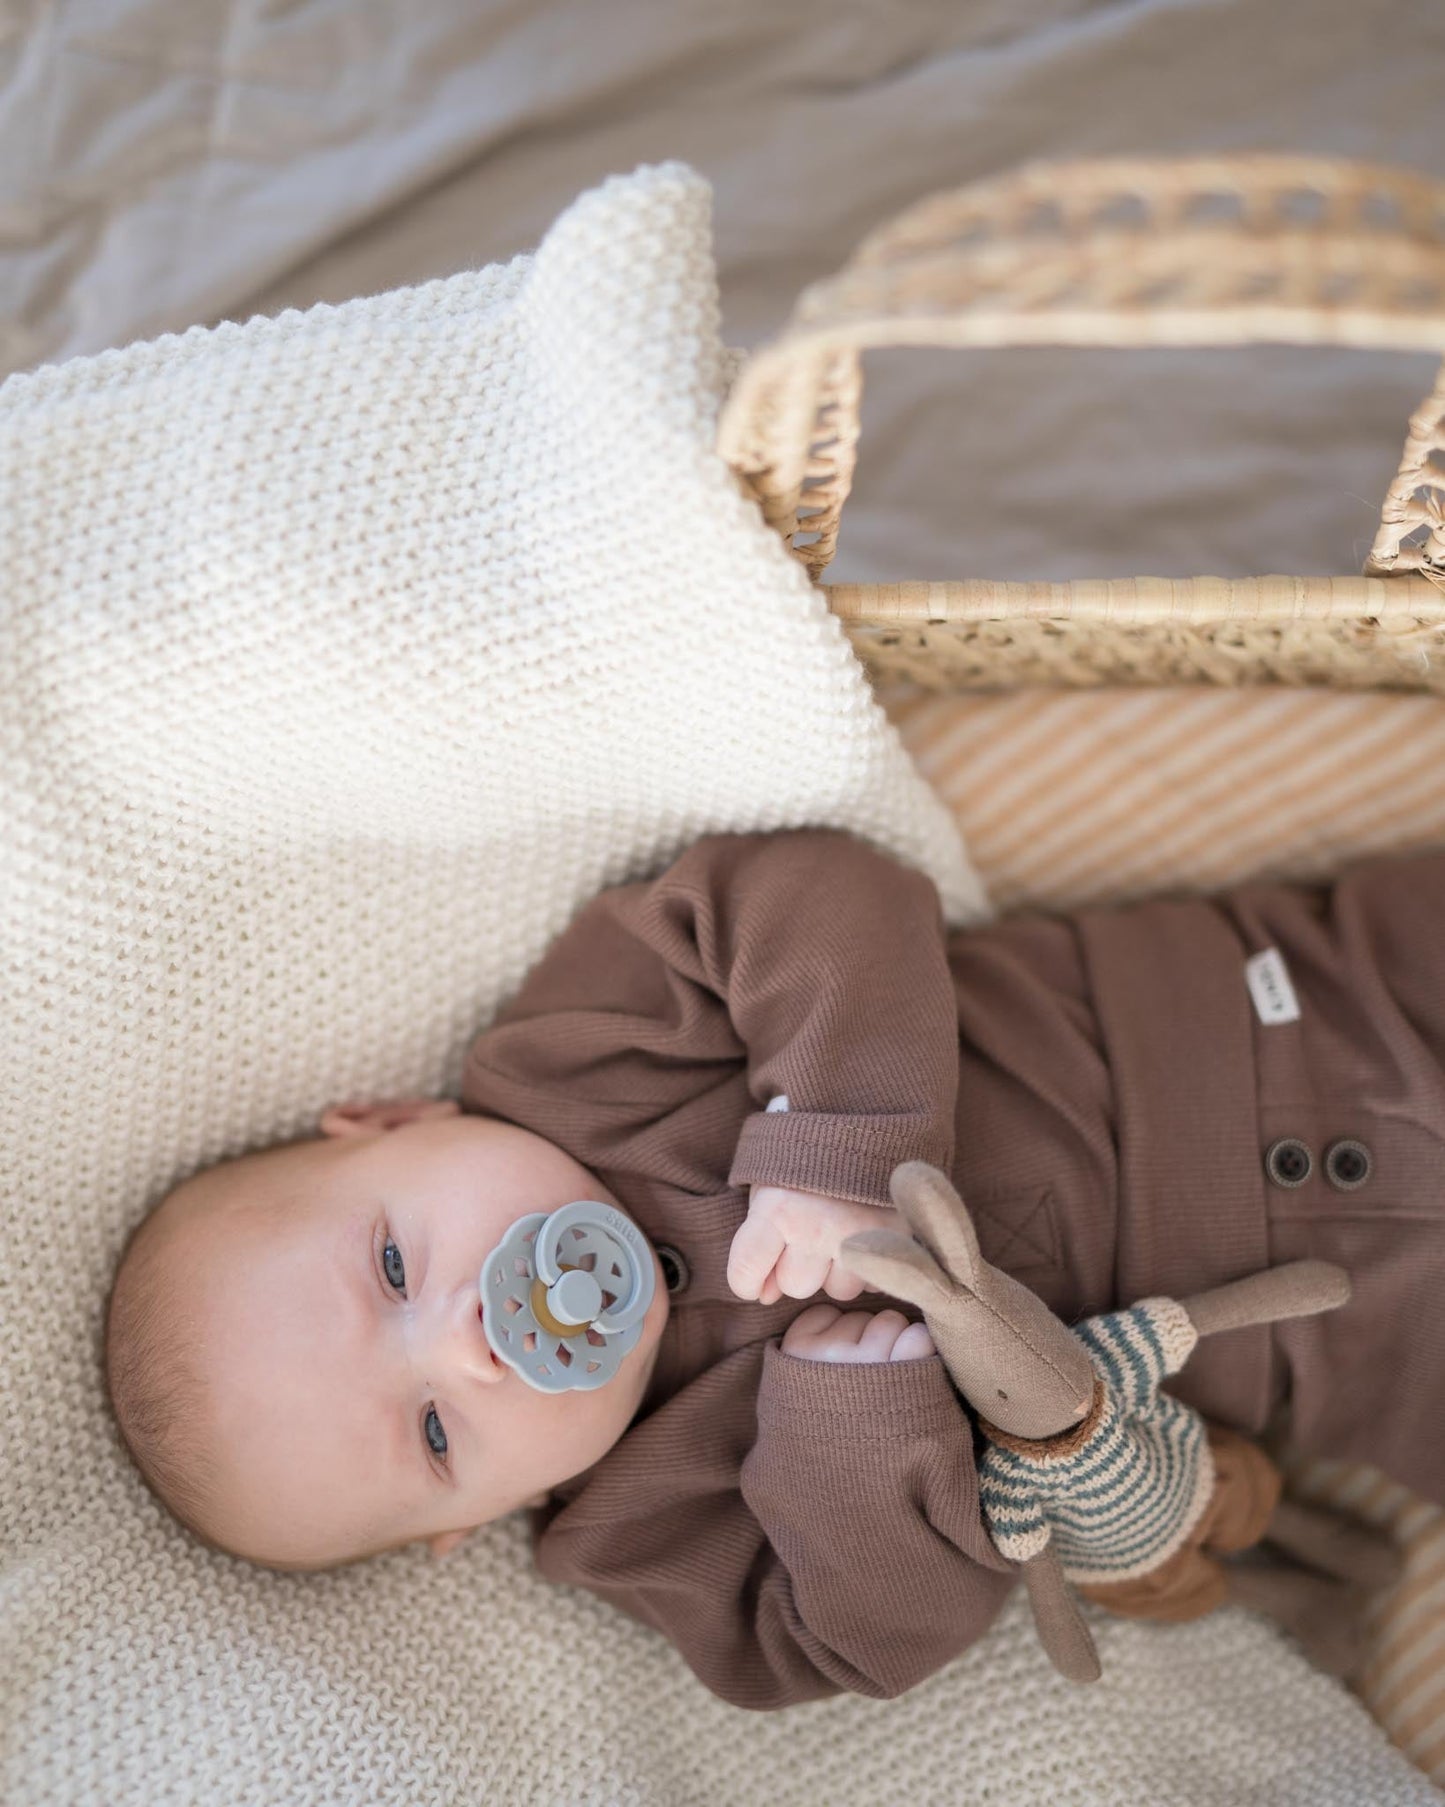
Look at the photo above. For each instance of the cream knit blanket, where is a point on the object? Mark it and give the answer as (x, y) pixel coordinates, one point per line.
(343, 656)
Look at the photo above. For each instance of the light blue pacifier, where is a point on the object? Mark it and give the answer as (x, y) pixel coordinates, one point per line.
(564, 1295)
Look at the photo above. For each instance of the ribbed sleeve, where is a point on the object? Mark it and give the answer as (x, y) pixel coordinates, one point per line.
(863, 1479)
(806, 959)
(806, 1528)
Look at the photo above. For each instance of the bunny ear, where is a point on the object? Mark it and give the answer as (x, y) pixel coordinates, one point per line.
(938, 1217)
(893, 1263)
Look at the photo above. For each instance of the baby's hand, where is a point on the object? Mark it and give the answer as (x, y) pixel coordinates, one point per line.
(790, 1241)
(822, 1333)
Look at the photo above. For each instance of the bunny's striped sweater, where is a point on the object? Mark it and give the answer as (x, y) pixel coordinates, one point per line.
(1120, 1492)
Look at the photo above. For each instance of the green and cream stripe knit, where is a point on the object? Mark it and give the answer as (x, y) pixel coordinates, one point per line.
(1120, 1492)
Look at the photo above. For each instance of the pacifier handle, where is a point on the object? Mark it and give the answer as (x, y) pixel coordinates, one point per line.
(625, 1311)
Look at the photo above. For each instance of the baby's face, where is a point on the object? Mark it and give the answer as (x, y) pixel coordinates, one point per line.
(357, 1401)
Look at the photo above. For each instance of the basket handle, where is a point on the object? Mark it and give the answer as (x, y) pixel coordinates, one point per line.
(1121, 252)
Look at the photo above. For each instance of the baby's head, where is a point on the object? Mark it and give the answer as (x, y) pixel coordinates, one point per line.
(295, 1350)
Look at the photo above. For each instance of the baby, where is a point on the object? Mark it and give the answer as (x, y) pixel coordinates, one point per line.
(736, 1055)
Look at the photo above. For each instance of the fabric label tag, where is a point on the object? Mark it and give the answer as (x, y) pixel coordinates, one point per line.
(780, 1103)
(1269, 986)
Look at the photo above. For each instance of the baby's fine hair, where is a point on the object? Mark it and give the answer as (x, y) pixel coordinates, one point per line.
(153, 1379)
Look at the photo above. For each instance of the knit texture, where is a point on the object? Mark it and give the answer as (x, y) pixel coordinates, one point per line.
(344, 655)
(1120, 1500)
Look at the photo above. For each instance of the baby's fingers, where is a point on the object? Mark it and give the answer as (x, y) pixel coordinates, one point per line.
(881, 1330)
(841, 1284)
(753, 1256)
(913, 1345)
(799, 1336)
(800, 1272)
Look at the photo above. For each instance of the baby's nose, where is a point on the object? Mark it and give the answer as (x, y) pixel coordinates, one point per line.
(461, 1341)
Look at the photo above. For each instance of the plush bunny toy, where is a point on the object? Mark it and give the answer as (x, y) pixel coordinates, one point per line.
(1090, 1474)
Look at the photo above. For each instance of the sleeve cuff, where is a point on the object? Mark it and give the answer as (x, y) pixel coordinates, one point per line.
(836, 1154)
(873, 1402)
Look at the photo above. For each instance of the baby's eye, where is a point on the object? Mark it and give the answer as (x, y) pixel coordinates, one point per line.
(392, 1266)
(436, 1440)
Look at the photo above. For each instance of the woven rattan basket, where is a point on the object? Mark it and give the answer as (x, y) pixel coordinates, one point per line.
(1201, 251)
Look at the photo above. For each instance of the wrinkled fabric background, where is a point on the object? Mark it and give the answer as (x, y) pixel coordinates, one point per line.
(167, 162)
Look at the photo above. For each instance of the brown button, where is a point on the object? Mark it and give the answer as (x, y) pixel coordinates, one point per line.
(674, 1268)
(1288, 1162)
(1347, 1164)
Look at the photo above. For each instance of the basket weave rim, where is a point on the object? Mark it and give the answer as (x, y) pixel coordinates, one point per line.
(1278, 599)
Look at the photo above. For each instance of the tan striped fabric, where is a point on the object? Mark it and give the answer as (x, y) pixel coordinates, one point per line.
(1074, 797)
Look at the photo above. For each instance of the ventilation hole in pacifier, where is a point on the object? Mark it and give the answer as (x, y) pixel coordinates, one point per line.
(608, 1299)
(578, 1233)
(596, 1338)
(564, 1355)
(512, 1305)
(588, 1262)
(520, 1266)
(592, 1367)
(529, 1341)
(529, 1235)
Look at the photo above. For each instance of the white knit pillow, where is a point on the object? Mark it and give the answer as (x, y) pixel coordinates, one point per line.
(343, 656)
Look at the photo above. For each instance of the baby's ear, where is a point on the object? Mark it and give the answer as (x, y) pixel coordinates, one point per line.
(371, 1119)
(446, 1541)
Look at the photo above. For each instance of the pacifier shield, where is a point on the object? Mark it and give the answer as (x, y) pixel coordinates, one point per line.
(564, 1295)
